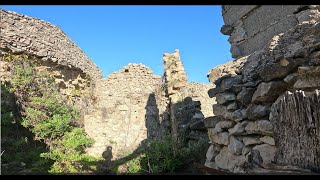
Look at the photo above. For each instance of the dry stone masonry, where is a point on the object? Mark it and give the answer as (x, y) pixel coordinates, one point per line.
(267, 111)
(53, 51)
(20, 33)
(127, 111)
(188, 103)
(134, 105)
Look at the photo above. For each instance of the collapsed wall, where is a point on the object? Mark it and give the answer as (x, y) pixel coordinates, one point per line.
(133, 106)
(277, 51)
(127, 111)
(24, 34)
(189, 104)
(51, 50)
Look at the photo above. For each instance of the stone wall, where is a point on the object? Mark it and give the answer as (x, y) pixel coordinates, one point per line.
(51, 51)
(133, 105)
(127, 111)
(252, 26)
(23, 34)
(189, 104)
(245, 133)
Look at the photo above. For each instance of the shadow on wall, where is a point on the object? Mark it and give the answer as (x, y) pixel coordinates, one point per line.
(189, 126)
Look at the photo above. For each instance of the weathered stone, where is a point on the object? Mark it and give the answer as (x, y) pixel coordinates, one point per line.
(239, 34)
(213, 151)
(307, 15)
(210, 122)
(261, 39)
(272, 13)
(225, 124)
(234, 13)
(235, 146)
(229, 82)
(211, 165)
(198, 126)
(223, 98)
(268, 92)
(239, 115)
(226, 29)
(219, 110)
(251, 140)
(291, 78)
(238, 129)
(37, 37)
(228, 69)
(257, 111)
(267, 140)
(232, 106)
(246, 150)
(212, 92)
(308, 78)
(282, 68)
(219, 138)
(235, 51)
(267, 152)
(254, 158)
(198, 116)
(228, 161)
(245, 96)
(263, 127)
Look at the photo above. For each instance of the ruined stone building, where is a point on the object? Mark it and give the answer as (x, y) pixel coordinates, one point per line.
(267, 109)
(261, 111)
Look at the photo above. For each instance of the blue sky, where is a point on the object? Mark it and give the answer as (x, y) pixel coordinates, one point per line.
(113, 36)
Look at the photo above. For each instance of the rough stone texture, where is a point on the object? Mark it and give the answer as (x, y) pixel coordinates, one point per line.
(219, 138)
(257, 111)
(276, 49)
(267, 152)
(267, 140)
(238, 129)
(128, 111)
(225, 124)
(228, 161)
(175, 76)
(245, 96)
(259, 127)
(189, 102)
(212, 92)
(299, 143)
(229, 69)
(251, 140)
(308, 78)
(251, 31)
(235, 146)
(268, 92)
(20, 33)
(257, 21)
(235, 12)
(210, 122)
(213, 151)
(223, 98)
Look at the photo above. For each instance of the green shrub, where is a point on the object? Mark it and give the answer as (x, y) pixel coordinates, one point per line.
(49, 118)
(163, 156)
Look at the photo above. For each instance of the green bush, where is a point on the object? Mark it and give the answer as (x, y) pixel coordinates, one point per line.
(162, 155)
(49, 118)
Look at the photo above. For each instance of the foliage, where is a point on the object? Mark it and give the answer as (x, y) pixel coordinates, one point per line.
(163, 156)
(134, 165)
(49, 118)
(68, 153)
(17, 143)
